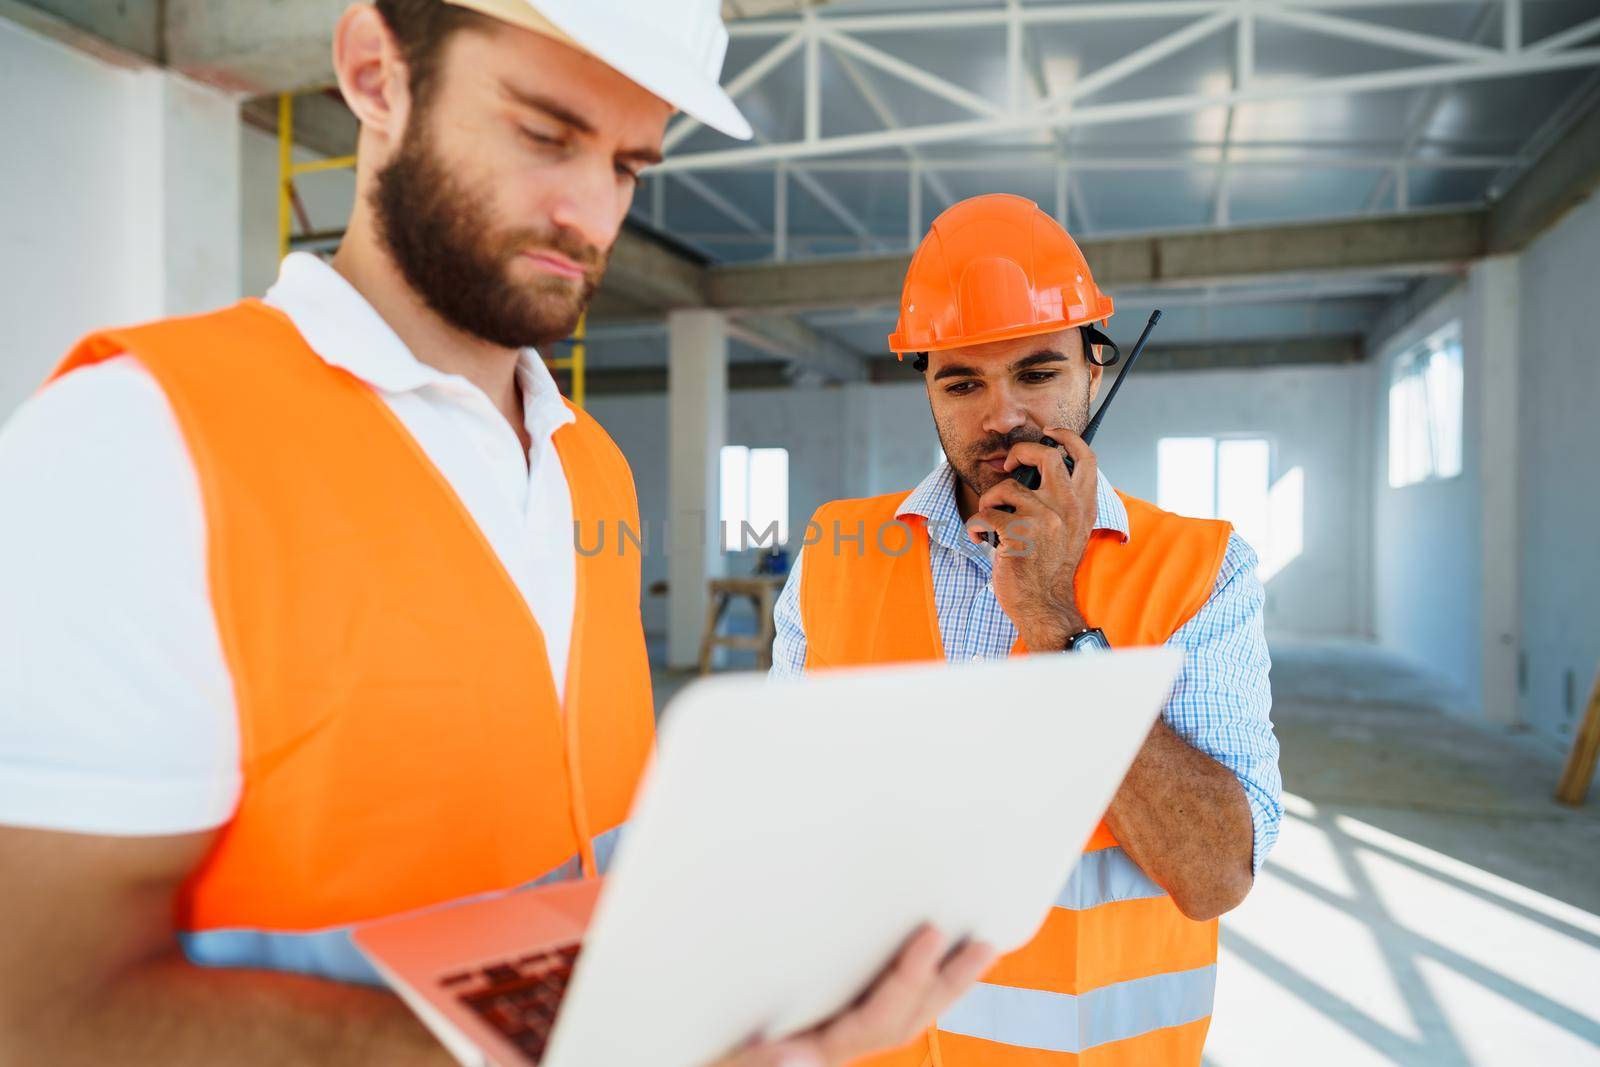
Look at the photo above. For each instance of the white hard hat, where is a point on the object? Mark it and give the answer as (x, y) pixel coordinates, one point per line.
(674, 48)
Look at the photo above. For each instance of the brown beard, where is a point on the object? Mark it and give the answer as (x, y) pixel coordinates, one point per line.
(967, 460)
(438, 231)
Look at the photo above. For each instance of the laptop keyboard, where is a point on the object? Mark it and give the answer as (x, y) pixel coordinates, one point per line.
(518, 998)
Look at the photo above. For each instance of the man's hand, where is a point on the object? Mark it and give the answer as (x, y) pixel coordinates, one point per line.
(919, 985)
(1043, 540)
(90, 972)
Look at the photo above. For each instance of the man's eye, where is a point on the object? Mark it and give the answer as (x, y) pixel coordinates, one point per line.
(1038, 377)
(541, 138)
(961, 388)
(625, 171)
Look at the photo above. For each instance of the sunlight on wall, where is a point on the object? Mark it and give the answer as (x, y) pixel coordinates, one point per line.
(1230, 478)
(1286, 512)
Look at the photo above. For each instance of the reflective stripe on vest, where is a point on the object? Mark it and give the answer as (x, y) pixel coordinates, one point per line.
(1104, 876)
(330, 953)
(1116, 974)
(1064, 1022)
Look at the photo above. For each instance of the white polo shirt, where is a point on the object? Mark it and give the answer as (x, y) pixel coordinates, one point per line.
(117, 710)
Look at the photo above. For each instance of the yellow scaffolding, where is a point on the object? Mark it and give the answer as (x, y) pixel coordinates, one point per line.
(574, 361)
(289, 170)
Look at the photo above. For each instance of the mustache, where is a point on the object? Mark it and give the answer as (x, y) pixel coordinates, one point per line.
(1003, 442)
(566, 242)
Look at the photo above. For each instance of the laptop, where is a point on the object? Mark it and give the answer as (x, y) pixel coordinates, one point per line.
(788, 839)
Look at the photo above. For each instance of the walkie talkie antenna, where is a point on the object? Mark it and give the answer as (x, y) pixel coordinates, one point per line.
(1094, 423)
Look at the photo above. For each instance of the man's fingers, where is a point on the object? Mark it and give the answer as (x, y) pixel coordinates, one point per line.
(964, 967)
(1010, 492)
(1083, 459)
(888, 1015)
(1016, 531)
(957, 973)
(1069, 440)
(921, 982)
(796, 1052)
(1034, 454)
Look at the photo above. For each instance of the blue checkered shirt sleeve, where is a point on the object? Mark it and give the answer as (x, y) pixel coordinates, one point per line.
(789, 646)
(1222, 701)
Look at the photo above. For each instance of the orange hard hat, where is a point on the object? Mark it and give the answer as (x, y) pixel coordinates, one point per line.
(993, 268)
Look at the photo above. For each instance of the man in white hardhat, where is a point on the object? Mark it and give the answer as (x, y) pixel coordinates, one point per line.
(293, 634)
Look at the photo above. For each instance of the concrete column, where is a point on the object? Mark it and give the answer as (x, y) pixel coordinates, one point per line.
(697, 428)
(861, 473)
(1494, 303)
(121, 200)
(180, 174)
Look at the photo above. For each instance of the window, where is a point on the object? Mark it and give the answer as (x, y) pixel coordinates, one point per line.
(1231, 478)
(755, 497)
(1425, 388)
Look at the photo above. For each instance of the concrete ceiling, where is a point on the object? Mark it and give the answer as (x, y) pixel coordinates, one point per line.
(246, 46)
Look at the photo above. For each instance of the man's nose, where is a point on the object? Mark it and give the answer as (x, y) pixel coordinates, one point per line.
(1004, 413)
(588, 204)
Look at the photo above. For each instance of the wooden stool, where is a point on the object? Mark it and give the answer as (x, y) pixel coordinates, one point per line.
(763, 591)
(1579, 772)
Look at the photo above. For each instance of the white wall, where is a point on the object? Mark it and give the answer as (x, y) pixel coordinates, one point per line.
(866, 439)
(1426, 537)
(1559, 424)
(62, 235)
(1315, 417)
(1504, 560)
(121, 193)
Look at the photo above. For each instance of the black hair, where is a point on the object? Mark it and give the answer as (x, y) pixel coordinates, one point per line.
(1092, 338)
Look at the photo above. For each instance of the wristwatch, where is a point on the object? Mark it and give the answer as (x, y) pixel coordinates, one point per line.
(1088, 641)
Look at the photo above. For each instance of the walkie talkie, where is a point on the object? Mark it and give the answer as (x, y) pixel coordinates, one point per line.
(1029, 477)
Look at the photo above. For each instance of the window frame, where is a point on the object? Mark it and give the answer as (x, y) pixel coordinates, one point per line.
(731, 530)
(1411, 365)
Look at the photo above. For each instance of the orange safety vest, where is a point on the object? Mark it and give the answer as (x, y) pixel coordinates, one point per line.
(402, 741)
(1116, 975)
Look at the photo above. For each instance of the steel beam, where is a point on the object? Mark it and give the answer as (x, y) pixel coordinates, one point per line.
(766, 64)
(1405, 309)
(612, 381)
(1413, 243)
(1383, 36)
(1502, 66)
(1055, 14)
(800, 346)
(1285, 352)
(1565, 176)
(1120, 70)
(649, 271)
(1568, 37)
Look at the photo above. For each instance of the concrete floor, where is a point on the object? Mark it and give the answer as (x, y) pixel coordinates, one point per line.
(1427, 904)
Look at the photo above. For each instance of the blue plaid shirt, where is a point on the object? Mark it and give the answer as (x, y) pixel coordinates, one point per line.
(1221, 702)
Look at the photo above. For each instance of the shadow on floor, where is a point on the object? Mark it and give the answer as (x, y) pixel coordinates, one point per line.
(1370, 732)
(1428, 904)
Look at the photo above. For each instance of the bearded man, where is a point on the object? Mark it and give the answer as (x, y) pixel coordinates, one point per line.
(999, 309)
(293, 634)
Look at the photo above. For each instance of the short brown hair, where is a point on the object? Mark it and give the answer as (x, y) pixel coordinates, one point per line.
(423, 27)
